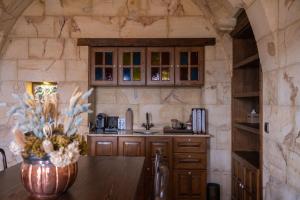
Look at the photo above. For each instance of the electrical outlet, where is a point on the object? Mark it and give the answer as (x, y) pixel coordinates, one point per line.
(267, 127)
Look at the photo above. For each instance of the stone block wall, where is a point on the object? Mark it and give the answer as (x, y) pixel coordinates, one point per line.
(42, 46)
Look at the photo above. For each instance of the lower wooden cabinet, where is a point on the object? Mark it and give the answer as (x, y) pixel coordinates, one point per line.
(131, 146)
(245, 180)
(103, 146)
(185, 157)
(189, 184)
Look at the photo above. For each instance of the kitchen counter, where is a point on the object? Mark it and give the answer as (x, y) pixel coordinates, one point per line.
(157, 133)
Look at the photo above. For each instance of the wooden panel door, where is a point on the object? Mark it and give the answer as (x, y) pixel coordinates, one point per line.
(189, 62)
(160, 66)
(103, 146)
(131, 66)
(103, 66)
(131, 146)
(190, 184)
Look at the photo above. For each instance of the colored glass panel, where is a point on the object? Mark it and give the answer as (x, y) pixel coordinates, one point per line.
(155, 58)
(126, 74)
(184, 72)
(194, 58)
(109, 74)
(165, 73)
(108, 58)
(98, 58)
(136, 73)
(98, 73)
(136, 58)
(126, 58)
(165, 58)
(155, 74)
(194, 73)
(184, 58)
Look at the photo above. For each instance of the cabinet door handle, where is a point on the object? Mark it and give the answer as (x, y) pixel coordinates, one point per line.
(177, 66)
(189, 156)
(148, 169)
(189, 173)
(189, 139)
(114, 66)
(120, 66)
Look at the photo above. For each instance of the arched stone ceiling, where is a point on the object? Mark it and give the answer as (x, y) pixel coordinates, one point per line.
(220, 12)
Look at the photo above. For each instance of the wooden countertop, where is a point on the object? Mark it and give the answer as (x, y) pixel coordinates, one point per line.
(159, 133)
(98, 178)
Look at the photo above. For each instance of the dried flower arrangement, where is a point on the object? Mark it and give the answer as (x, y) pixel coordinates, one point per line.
(42, 132)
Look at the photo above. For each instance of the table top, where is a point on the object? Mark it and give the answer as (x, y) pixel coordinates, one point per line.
(98, 178)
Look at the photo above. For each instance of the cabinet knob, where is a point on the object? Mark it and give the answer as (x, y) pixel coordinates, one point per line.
(189, 139)
(120, 66)
(114, 66)
(177, 65)
(171, 66)
(189, 156)
(189, 173)
(148, 169)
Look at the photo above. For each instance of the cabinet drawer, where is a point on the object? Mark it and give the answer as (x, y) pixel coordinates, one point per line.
(189, 144)
(190, 161)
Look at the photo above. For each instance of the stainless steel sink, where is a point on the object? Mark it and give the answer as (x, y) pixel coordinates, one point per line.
(146, 132)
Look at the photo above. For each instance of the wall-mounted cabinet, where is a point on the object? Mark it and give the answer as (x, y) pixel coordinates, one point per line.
(150, 62)
(160, 66)
(189, 62)
(103, 66)
(131, 66)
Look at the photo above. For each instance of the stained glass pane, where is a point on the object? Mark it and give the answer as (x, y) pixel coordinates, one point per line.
(165, 58)
(184, 58)
(165, 74)
(98, 58)
(194, 58)
(126, 74)
(109, 74)
(126, 58)
(136, 73)
(184, 72)
(108, 58)
(194, 73)
(136, 58)
(155, 74)
(98, 73)
(155, 58)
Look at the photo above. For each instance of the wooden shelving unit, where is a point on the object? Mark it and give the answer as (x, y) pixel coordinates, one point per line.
(246, 96)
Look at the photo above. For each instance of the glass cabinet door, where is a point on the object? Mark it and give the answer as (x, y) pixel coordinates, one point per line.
(160, 66)
(131, 66)
(103, 66)
(189, 66)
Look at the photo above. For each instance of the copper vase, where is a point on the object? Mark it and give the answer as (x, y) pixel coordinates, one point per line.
(44, 180)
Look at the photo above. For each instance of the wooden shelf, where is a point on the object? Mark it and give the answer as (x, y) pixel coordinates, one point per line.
(246, 94)
(251, 157)
(252, 128)
(246, 61)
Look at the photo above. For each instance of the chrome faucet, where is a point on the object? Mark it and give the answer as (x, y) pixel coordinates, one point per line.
(147, 125)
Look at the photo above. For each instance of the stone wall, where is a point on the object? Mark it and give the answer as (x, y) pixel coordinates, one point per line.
(276, 26)
(42, 47)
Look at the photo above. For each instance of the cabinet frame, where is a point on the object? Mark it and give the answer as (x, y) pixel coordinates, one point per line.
(93, 66)
(149, 80)
(142, 66)
(200, 66)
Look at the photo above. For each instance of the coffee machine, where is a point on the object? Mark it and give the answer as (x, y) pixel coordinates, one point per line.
(101, 122)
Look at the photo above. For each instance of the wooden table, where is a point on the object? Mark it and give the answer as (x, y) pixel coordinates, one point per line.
(99, 178)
